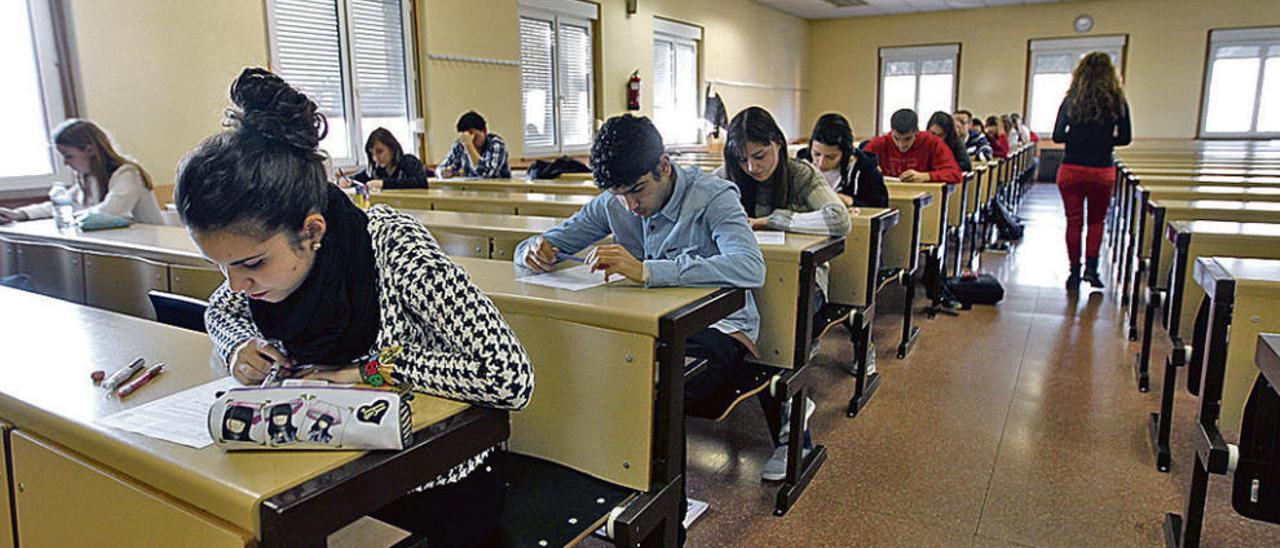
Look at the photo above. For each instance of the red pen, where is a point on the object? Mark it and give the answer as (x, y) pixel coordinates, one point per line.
(137, 383)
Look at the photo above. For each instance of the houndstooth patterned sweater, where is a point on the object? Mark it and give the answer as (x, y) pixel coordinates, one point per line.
(455, 343)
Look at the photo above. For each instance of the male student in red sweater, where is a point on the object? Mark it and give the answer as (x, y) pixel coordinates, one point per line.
(914, 156)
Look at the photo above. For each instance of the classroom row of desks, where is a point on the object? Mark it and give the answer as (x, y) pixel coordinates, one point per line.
(637, 446)
(230, 502)
(1195, 235)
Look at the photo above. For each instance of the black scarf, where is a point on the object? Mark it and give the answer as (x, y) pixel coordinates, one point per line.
(333, 317)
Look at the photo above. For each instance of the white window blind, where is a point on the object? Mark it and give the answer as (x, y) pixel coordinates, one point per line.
(1049, 78)
(921, 78)
(378, 49)
(349, 56)
(557, 81)
(31, 99)
(675, 82)
(1242, 85)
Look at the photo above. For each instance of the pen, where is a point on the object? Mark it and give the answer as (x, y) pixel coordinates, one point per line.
(139, 382)
(562, 256)
(123, 374)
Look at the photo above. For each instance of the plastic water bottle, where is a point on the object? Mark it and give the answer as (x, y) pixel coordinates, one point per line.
(63, 199)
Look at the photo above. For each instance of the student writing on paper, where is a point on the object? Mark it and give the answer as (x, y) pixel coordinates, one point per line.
(853, 173)
(975, 141)
(476, 153)
(106, 181)
(335, 285)
(911, 155)
(672, 226)
(778, 192)
(389, 166)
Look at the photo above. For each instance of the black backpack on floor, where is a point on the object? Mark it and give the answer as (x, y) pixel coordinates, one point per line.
(975, 289)
(1008, 226)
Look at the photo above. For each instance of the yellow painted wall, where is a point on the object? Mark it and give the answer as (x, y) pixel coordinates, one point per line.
(1165, 58)
(155, 73)
(743, 42)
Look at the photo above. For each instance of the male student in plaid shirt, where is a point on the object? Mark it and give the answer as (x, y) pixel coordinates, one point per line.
(476, 153)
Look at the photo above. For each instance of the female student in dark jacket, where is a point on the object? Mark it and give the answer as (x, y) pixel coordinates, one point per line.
(335, 285)
(389, 167)
(853, 173)
(1092, 120)
(944, 126)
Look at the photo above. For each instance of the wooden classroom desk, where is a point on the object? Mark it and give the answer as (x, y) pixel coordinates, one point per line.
(855, 280)
(577, 177)
(1243, 302)
(1191, 240)
(933, 226)
(511, 203)
(1145, 170)
(902, 242)
(482, 235)
(553, 186)
(85, 484)
(634, 332)
(1151, 256)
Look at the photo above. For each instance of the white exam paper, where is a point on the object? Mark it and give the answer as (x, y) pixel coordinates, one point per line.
(769, 237)
(181, 418)
(574, 278)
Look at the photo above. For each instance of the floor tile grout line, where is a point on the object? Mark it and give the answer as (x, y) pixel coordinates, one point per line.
(1009, 410)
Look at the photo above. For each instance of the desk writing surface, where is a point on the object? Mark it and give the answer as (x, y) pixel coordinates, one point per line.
(487, 224)
(1214, 192)
(66, 342)
(1226, 228)
(1213, 180)
(164, 243)
(1220, 205)
(519, 185)
(621, 305)
(484, 195)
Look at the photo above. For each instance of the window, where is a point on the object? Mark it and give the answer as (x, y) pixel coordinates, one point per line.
(350, 56)
(557, 75)
(1049, 76)
(675, 81)
(1242, 84)
(922, 78)
(31, 100)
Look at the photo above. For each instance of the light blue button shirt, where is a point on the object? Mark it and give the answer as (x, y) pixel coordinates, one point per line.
(699, 238)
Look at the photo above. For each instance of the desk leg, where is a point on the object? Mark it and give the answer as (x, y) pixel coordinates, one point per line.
(909, 333)
(1131, 319)
(865, 384)
(1162, 422)
(1141, 365)
(1183, 531)
(800, 470)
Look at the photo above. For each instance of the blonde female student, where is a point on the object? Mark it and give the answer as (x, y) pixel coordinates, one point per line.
(107, 182)
(335, 285)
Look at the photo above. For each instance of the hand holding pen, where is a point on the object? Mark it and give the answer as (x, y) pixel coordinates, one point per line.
(252, 362)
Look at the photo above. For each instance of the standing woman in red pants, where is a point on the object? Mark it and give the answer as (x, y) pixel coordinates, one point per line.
(1093, 119)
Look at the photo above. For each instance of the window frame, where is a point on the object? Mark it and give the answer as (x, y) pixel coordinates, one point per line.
(558, 12)
(1078, 45)
(1264, 37)
(681, 34)
(918, 54)
(350, 93)
(45, 43)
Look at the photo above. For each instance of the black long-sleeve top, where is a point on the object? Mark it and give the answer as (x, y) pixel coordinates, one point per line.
(863, 181)
(1091, 144)
(407, 173)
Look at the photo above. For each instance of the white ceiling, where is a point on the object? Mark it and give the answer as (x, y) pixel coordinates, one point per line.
(821, 9)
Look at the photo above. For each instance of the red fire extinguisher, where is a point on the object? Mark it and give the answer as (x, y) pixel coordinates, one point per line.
(633, 91)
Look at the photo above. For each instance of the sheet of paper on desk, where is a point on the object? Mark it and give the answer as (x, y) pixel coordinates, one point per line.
(768, 237)
(181, 418)
(574, 278)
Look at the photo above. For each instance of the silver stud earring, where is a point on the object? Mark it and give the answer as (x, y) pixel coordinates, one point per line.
(315, 246)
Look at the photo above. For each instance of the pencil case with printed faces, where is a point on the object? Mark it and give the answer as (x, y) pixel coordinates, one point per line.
(315, 417)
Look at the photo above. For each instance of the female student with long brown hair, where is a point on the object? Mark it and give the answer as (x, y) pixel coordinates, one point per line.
(107, 182)
(1092, 120)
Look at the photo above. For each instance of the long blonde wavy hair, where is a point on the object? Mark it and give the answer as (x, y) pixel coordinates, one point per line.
(86, 135)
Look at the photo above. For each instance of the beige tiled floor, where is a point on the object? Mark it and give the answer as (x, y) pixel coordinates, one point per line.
(1014, 425)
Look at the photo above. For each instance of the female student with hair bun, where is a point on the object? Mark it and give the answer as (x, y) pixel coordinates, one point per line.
(852, 172)
(106, 181)
(335, 285)
(389, 166)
